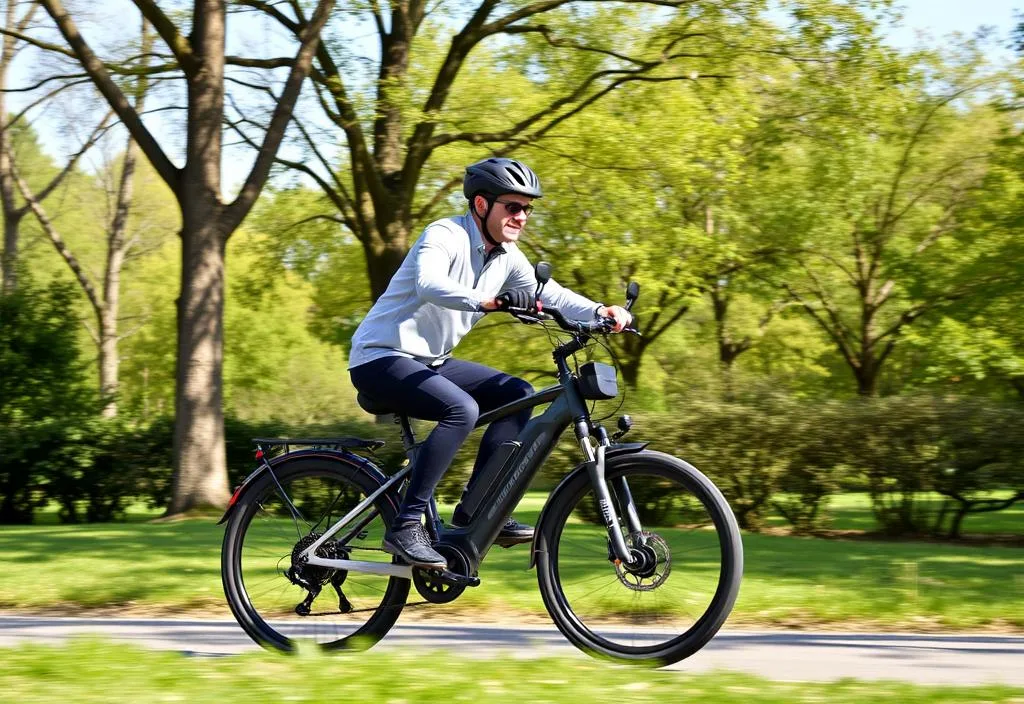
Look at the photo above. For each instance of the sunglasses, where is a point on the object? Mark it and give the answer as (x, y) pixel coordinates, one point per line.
(515, 208)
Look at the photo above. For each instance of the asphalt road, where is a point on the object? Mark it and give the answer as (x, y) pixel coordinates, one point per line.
(778, 655)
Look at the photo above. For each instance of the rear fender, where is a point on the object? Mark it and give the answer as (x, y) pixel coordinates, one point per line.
(626, 448)
(281, 460)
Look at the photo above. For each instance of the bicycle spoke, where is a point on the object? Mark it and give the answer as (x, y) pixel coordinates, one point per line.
(670, 581)
(278, 589)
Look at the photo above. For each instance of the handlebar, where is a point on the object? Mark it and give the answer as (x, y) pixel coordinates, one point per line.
(602, 325)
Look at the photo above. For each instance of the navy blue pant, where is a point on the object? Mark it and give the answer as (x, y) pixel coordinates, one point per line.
(454, 394)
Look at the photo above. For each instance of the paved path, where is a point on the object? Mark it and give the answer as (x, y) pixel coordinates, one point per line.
(778, 655)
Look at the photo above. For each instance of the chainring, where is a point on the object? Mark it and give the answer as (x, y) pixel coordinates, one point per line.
(435, 591)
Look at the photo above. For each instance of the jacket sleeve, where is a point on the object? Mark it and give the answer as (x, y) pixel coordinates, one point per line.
(435, 254)
(573, 305)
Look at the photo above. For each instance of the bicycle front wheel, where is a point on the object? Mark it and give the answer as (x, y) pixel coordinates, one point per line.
(280, 601)
(676, 593)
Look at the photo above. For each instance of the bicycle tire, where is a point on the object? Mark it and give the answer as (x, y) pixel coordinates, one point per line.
(250, 504)
(555, 540)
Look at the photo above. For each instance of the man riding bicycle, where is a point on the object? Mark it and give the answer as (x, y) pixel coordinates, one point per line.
(459, 268)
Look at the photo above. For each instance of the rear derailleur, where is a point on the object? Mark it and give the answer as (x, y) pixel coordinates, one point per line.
(312, 578)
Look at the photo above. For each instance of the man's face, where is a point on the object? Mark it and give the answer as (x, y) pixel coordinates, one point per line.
(502, 224)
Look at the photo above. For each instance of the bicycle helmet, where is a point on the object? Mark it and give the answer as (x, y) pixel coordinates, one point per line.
(495, 177)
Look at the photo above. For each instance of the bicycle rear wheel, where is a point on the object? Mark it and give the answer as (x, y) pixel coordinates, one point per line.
(277, 600)
(686, 577)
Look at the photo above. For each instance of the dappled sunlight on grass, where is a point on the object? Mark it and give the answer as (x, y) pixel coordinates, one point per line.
(95, 671)
(175, 568)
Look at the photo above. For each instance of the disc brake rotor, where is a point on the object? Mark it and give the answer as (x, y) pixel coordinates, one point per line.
(652, 562)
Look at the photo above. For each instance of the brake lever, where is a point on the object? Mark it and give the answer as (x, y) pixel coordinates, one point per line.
(524, 315)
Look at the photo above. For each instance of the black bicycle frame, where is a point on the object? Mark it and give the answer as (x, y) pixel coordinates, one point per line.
(493, 497)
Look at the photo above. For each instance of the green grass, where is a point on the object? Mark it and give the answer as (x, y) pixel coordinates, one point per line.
(852, 511)
(93, 671)
(174, 568)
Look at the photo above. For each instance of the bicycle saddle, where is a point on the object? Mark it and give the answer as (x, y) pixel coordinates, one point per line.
(375, 407)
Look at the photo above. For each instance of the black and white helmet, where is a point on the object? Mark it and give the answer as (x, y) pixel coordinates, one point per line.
(498, 176)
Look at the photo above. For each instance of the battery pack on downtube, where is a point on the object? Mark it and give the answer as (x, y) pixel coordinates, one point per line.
(495, 468)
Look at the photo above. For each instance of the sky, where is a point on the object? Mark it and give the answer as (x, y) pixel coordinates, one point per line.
(926, 21)
(940, 18)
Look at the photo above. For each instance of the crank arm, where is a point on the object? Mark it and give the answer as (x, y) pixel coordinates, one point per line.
(452, 578)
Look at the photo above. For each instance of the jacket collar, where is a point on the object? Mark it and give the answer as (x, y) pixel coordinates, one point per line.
(476, 238)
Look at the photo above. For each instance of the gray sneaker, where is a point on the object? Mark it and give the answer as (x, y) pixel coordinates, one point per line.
(412, 544)
(514, 533)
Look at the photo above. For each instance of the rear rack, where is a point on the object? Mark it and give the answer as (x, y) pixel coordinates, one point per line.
(328, 443)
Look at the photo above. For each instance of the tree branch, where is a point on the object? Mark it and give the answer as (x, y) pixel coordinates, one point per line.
(57, 240)
(39, 101)
(268, 8)
(309, 41)
(904, 163)
(335, 197)
(38, 43)
(439, 196)
(623, 76)
(96, 70)
(97, 133)
(168, 31)
(840, 342)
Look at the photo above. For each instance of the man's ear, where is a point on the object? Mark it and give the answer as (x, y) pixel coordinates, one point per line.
(479, 206)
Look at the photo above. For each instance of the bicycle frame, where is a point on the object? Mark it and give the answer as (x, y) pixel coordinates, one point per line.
(537, 439)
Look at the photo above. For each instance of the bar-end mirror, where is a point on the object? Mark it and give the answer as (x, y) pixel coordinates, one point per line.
(543, 273)
(632, 293)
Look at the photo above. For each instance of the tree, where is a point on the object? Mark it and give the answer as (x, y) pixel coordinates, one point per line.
(13, 211)
(198, 57)
(880, 242)
(105, 300)
(424, 116)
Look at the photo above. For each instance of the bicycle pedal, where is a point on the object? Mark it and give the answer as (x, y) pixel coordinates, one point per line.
(452, 579)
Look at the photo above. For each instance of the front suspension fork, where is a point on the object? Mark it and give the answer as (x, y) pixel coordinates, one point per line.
(596, 470)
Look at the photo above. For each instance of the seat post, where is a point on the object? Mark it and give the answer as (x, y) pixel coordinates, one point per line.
(408, 437)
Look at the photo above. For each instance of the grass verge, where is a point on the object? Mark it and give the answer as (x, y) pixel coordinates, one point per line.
(174, 568)
(94, 671)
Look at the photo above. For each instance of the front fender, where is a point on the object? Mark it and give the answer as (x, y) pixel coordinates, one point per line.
(340, 455)
(626, 448)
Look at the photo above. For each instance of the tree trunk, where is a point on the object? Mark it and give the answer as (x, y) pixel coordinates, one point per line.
(200, 472)
(867, 379)
(629, 361)
(10, 256)
(384, 254)
(958, 519)
(9, 260)
(109, 362)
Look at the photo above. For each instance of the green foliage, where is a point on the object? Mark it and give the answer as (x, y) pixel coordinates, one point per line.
(42, 390)
(774, 454)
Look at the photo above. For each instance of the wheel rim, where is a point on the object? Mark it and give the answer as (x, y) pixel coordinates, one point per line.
(657, 604)
(272, 584)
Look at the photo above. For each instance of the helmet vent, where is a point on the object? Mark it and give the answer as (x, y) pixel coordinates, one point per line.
(514, 173)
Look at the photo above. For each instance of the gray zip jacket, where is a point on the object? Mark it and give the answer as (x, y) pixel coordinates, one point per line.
(434, 298)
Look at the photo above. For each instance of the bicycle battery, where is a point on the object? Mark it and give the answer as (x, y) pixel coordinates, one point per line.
(480, 487)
